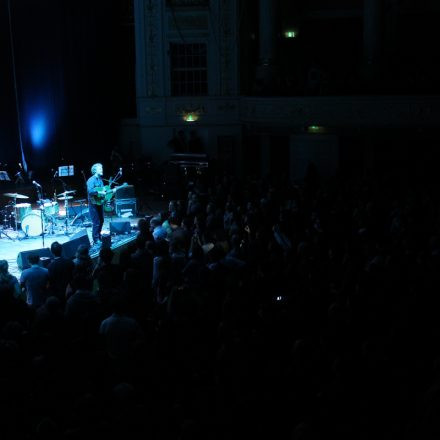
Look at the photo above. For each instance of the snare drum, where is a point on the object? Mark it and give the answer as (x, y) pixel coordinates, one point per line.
(31, 224)
(23, 209)
(50, 208)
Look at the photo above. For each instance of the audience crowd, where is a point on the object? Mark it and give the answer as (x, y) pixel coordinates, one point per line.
(248, 308)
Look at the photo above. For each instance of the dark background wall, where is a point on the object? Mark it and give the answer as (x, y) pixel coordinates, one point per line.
(74, 68)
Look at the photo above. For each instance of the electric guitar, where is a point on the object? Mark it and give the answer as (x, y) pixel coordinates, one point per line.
(105, 194)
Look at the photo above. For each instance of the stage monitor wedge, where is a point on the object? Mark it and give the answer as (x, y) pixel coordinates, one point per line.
(70, 247)
(120, 227)
(22, 258)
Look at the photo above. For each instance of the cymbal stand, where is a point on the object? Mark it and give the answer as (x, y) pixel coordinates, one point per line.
(66, 221)
(15, 215)
(2, 231)
(52, 223)
(41, 204)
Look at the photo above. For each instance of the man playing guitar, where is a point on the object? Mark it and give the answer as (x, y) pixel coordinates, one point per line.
(94, 191)
(99, 197)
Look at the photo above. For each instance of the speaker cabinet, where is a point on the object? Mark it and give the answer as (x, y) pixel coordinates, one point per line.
(70, 247)
(125, 208)
(121, 227)
(44, 253)
(126, 192)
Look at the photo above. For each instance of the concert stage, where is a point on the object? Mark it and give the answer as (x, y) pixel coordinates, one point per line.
(16, 243)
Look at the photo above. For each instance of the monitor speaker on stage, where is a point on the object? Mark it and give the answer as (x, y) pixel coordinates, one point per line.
(120, 227)
(22, 258)
(70, 247)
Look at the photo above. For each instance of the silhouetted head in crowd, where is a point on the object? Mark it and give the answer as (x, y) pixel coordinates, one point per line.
(210, 208)
(155, 222)
(216, 253)
(82, 252)
(81, 281)
(173, 220)
(106, 255)
(160, 234)
(195, 251)
(4, 266)
(172, 206)
(123, 394)
(142, 226)
(47, 429)
(56, 249)
(187, 223)
(33, 259)
(53, 304)
(140, 243)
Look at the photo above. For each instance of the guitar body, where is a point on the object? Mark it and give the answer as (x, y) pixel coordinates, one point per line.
(101, 199)
(106, 198)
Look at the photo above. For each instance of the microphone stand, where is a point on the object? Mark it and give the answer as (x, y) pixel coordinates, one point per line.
(111, 181)
(41, 203)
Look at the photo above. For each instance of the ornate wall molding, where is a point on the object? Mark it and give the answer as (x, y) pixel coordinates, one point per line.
(379, 111)
(168, 111)
(188, 3)
(188, 21)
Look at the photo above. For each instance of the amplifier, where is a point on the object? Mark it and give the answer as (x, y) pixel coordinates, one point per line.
(125, 207)
(125, 192)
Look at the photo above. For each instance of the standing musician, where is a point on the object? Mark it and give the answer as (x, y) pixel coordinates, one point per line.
(96, 209)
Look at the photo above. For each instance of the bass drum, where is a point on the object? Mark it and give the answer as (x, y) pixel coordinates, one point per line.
(31, 224)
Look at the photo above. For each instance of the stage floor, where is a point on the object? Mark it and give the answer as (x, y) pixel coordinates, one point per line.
(12, 242)
(16, 243)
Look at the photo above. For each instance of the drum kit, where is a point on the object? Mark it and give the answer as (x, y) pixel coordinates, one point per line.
(44, 218)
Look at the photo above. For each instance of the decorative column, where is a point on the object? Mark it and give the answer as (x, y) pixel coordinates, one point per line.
(265, 74)
(372, 38)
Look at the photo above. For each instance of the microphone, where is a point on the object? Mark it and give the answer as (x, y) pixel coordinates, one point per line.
(120, 171)
(56, 173)
(36, 183)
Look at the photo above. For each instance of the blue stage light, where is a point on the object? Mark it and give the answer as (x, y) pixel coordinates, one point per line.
(38, 129)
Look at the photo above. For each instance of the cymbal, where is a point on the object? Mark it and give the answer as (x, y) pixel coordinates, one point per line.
(65, 193)
(65, 198)
(16, 196)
